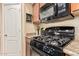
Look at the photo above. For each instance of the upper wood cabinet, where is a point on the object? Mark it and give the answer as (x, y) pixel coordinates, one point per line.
(36, 13)
(75, 9)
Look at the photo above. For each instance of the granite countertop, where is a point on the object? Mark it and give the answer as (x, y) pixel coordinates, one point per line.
(72, 48)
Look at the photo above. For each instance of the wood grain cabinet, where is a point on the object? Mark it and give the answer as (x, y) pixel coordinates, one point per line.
(28, 48)
(36, 13)
(75, 8)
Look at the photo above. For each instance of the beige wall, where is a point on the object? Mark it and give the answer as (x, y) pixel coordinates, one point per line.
(28, 8)
(26, 27)
(29, 27)
(73, 22)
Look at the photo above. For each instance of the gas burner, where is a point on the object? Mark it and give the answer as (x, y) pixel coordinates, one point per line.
(54, 43)
(63, 41)
(56, 38)
(48, 39)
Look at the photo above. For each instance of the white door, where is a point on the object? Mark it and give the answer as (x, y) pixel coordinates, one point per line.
(12, 29)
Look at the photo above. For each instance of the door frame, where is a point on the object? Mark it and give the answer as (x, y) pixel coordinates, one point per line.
(22, 52)
(23, 29)
(1, 30)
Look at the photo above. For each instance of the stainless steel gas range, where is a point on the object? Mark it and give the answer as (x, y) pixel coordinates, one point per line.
(52, 40)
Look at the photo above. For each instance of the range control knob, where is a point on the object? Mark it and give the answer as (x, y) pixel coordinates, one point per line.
(46, 48)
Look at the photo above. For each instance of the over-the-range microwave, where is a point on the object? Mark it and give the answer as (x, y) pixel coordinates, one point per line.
(55, 11)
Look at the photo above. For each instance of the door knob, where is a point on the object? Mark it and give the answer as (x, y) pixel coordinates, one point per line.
(5, 35)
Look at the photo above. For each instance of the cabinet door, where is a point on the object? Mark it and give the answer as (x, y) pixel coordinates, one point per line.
(74, 7)
(36, 13)
(28, 48)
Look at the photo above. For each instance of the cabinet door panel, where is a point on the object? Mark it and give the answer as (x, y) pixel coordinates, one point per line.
(74, 6)
(36, 13)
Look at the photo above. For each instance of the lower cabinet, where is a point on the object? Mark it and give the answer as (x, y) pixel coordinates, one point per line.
(28, 48)
(29, 51)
